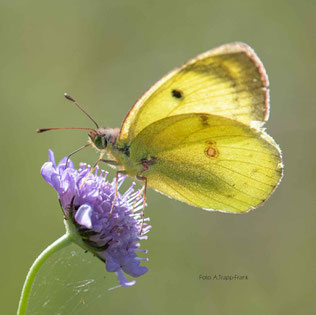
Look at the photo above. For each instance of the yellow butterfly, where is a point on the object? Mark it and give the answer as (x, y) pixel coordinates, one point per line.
(196, 134)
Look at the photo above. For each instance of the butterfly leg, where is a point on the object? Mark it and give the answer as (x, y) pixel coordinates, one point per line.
(144, 179)
(92, 169)
(111, 162)
(137, 197)
(116, 191)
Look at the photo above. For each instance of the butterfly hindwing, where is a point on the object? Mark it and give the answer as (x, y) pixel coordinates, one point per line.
(209, 161)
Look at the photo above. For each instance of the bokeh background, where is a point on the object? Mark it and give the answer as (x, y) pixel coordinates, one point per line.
(106, 54)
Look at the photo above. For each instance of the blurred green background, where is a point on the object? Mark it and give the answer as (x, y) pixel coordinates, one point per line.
(106, 54)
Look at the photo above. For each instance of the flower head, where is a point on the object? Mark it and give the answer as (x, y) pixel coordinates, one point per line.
(86, 201)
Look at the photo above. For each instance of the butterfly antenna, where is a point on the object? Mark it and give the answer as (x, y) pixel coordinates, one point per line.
(74, 152)
(62, 128)
(68, 97)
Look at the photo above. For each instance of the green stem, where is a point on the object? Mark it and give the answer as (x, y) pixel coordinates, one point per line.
(27, 287)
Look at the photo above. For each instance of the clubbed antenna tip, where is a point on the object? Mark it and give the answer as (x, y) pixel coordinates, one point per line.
(40, 130)
(68, 97)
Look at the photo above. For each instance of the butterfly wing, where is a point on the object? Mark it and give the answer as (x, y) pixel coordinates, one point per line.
(229, 81)
(209, 161)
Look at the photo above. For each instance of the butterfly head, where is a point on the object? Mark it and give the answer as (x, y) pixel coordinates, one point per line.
(102, 137)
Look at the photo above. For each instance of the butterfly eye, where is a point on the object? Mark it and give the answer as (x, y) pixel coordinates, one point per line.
(98, 142)
(105, 142)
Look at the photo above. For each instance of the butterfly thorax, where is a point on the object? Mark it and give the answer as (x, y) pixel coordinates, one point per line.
(106, 141)
(120, 151)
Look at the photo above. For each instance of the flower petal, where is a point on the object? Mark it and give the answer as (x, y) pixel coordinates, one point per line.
(122, 279)
(111, 264)
(83, 216)
(51, 157)
(47, 170)
(134, 269)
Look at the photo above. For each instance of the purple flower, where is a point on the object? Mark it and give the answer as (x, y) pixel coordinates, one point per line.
(86, 201)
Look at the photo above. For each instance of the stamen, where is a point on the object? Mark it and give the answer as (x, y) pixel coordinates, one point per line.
(140, 258)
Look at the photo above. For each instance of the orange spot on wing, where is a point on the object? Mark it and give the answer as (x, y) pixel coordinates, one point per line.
(211, 150)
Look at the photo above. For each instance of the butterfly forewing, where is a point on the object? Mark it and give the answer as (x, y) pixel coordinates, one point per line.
(229, 81)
